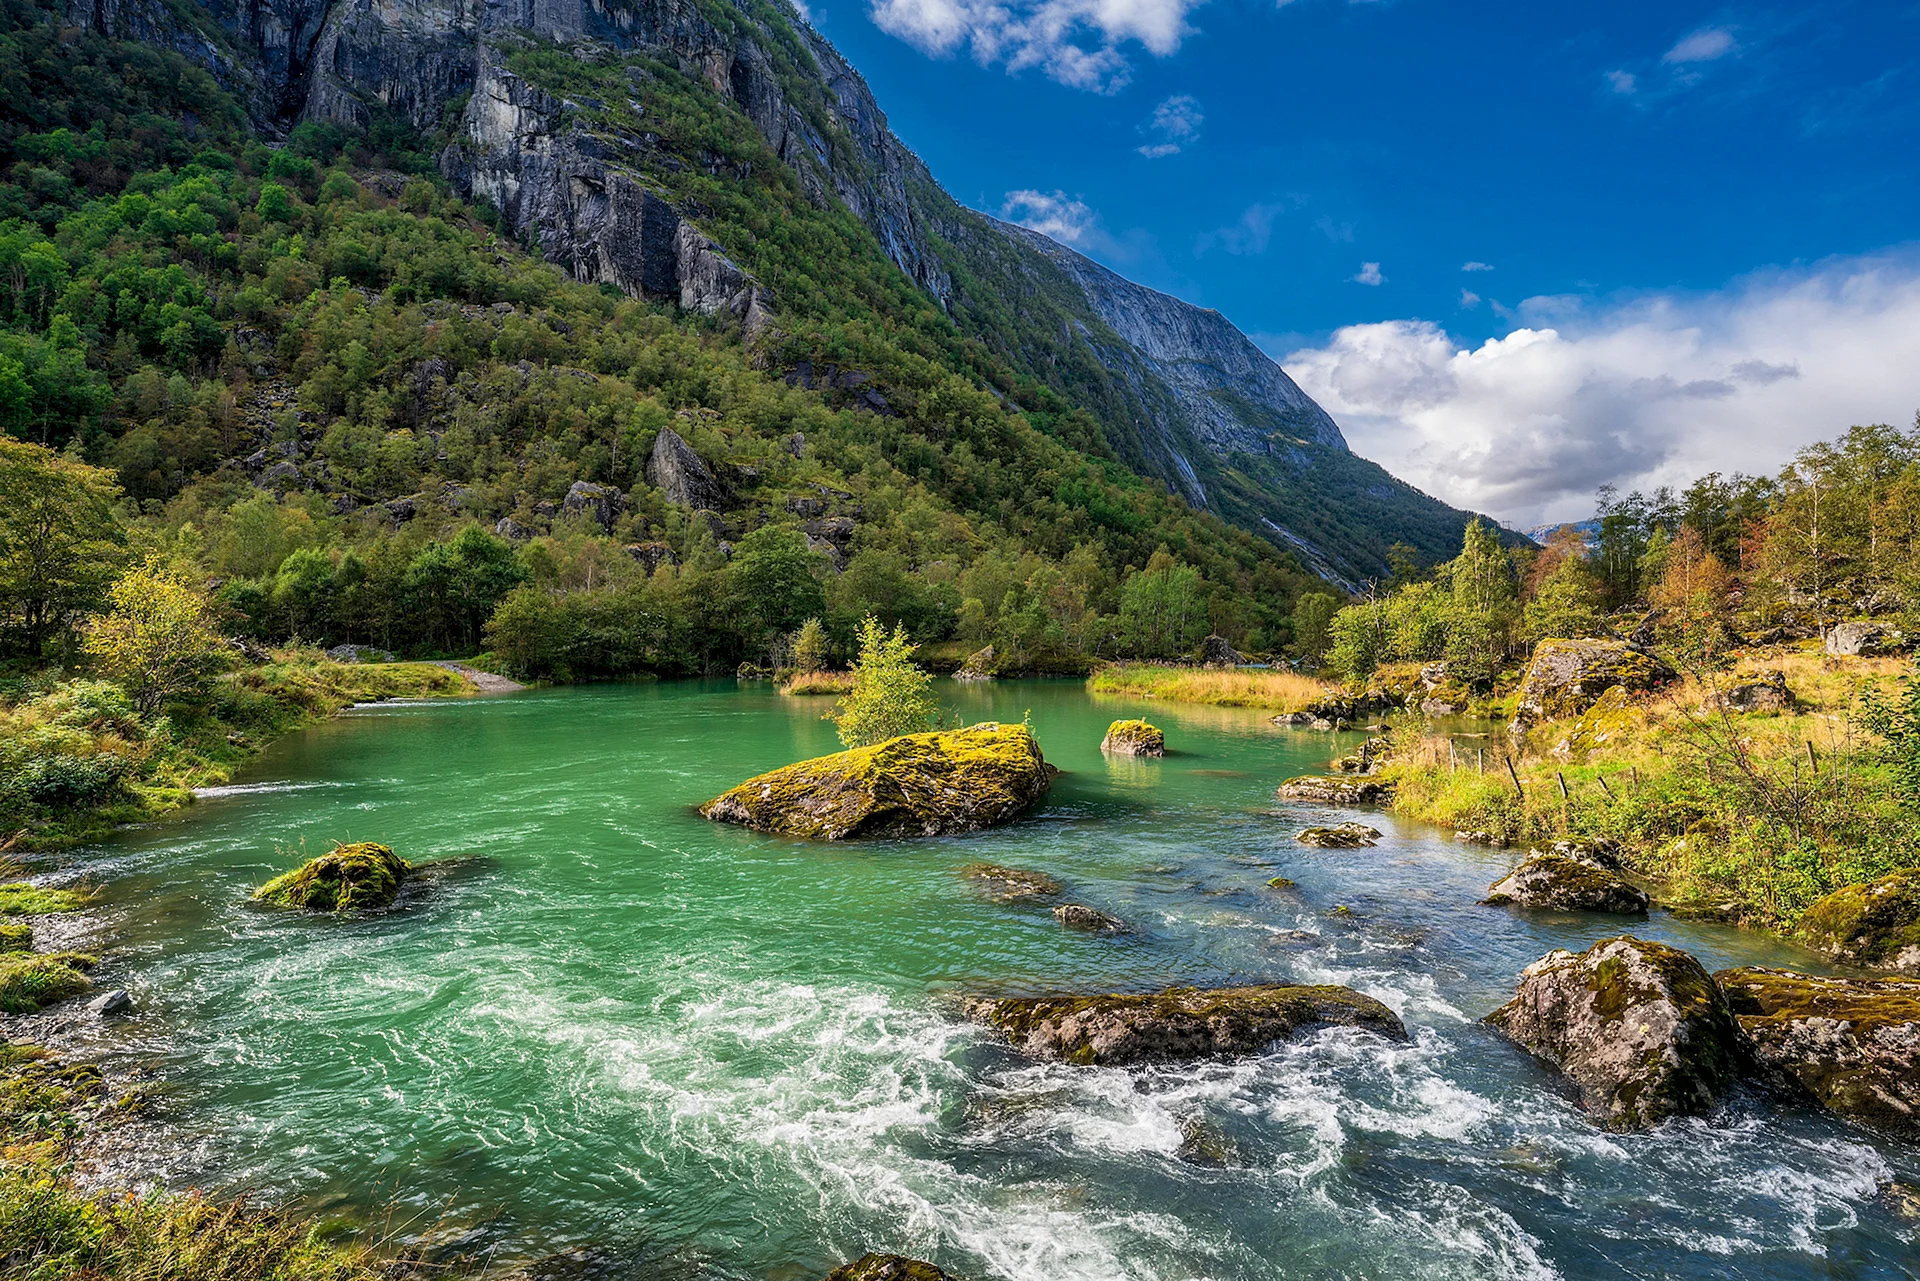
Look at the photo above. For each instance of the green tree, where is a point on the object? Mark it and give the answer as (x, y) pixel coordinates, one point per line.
(1566, 603)
(1481, 612)
(773, 583)
(1162, 613)
(1313, 616)
(890, 691)
(159, 637)
(60, 543)
(811, 652)
(451, 588)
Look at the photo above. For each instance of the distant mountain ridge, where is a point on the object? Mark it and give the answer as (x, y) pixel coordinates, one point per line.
(1180, 394)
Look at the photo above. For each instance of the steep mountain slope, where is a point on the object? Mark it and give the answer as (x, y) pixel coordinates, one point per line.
(580, 166)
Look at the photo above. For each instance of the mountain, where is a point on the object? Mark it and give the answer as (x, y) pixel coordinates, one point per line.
(599, 135)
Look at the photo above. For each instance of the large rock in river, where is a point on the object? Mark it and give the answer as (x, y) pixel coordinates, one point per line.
(1876, 925)
(887, 1267)
(933, 784)
(1567, 882)
(1181, 1023)
(1567, 677)
(356, 877)
(1334, 791)
(1640, 1027)
(1853, 1044)
(1134, 738)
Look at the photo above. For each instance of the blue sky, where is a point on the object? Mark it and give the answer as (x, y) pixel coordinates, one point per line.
(1674, 194)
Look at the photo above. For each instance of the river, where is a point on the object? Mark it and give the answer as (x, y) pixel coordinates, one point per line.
(715, 1053)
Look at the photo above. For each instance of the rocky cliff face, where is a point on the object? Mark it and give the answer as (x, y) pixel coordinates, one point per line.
(1181, 394)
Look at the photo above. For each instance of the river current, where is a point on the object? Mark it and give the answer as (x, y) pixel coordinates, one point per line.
(706, 1052)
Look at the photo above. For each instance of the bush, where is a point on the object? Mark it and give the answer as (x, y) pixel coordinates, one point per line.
(889, 696)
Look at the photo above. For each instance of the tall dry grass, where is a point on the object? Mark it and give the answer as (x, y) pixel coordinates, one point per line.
(1271, 689)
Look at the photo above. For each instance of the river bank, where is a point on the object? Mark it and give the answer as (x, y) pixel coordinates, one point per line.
(613, 1023)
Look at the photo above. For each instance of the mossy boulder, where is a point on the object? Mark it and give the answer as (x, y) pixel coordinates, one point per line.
(1609, 719)
(1133, 738)
(1010, 884)
(358, 877)
(29, 980)
(1178, 1024)
(1853, 1044)
(1334, 791)
(18, 898)
(16, 936)
(1875, 925)
(1343, 836)
(1566, 677)
(887, 1267)
(1567, 883)
(1641, 1028)
(932, 784)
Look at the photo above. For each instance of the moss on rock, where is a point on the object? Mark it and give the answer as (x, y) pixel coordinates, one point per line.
(1567, 883)
(22, 899)
(1343, 836)
(1876, 924)
(1640, 1027)
(1010, 884)
(932, 784)
(1566, 677)
(348, 878)
(1853, 1044)
(29, 980)
(887, 1267)
(1177, 1024)
(1134, 738)
(1334, 791)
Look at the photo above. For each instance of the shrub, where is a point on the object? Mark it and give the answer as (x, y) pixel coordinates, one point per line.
(889, 696)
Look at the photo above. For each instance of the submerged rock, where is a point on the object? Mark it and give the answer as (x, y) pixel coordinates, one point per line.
(1875, 925)
(348, 878)
(1181, 1023)
(1078, 916)
(887, 1267)
(1569, 883)
(1640, 1027)
(1133, 738)
(29, 980)
(1344, 836)
(1010, 884)
(932, 784)
(1853, 1044)
(1334, 791)
(1566, 677)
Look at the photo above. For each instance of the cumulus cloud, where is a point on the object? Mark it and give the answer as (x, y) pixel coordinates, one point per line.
(1703, 45)
(1051, 213)
(1175, 124)
(1649, 391)
(1622, 82)
(1077, 42)
(1476, 266)
(1370, 274)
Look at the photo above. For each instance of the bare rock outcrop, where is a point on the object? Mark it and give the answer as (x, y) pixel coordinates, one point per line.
(682, 475)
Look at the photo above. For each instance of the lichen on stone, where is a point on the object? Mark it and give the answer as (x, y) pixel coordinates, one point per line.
(933, 784)
(1177, 1024)
(1134, 738)
(887, 1267)
(1566, 883)
(361, 876)
(1875, 925)
(1566, 677)
(1852, 1044)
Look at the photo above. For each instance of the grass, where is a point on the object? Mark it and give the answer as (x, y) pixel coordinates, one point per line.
(76, 761)
(21, 899)
(1750, 818)
(809, 683)
(1268, 689)
(29, 980)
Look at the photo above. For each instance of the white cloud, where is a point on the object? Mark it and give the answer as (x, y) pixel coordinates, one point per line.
(1338, 232)
(1469, 299)
(1370, 274)
(1077, 42)
(1054, 214)
(1650, 391)
(1704, 45)
(1476, 266)
(1176, 122)
(1622, 82)
(1249, 236)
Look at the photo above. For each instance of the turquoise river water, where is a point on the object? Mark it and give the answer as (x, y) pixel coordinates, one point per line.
(709, 1052)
